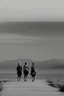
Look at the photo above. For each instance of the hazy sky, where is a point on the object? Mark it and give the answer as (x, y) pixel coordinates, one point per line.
(32, 43)
(30, 10)
(36, 41)
(35, 48)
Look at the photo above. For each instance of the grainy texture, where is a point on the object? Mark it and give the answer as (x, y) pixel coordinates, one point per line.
(37, 88)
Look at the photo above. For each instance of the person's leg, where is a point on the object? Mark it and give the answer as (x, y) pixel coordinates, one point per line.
(20, 75)
(24, 77)
(18, 78)
(33, 78)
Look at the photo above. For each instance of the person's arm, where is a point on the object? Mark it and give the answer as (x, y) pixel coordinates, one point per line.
(31, 67)
(21, 68)
(28, 68)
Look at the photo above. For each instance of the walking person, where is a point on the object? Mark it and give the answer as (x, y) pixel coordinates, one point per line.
(25, 71)
(33, 72)
(19, 71)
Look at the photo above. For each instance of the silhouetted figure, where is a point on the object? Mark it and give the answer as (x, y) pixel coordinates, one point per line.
(19, 71)
(25, 71)
(33, 72)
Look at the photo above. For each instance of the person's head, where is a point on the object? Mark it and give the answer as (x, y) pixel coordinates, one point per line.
(19, 64)
(33, 63)
(25, 63)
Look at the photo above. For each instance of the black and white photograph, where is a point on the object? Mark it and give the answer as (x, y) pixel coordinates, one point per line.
(31, 47)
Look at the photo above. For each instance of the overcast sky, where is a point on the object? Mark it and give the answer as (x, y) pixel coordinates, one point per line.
(30, 10)
(31, 41)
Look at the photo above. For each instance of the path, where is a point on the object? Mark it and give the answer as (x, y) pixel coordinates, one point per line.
(37, 88)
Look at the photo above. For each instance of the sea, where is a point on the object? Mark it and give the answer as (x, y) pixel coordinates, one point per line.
(41, 74)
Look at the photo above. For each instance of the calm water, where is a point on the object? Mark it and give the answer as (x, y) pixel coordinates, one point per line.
(41, 74)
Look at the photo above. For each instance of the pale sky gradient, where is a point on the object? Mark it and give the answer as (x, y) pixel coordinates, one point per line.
(28, 47)
(36, 41)
(31, 10)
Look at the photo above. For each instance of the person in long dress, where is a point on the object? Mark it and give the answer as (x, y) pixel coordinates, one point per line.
(25, 71)
(19, 71)
(33, 72)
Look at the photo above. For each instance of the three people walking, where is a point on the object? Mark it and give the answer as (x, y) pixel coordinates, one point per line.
(25, 71)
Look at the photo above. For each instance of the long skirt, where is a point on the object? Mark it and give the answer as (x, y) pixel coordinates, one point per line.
(26, 72)
(33, 74)
(19, 73)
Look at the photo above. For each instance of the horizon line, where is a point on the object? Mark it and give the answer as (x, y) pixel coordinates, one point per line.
(32, 60)
(32, 22)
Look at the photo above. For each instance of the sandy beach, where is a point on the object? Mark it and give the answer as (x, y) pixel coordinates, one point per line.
(29, 88)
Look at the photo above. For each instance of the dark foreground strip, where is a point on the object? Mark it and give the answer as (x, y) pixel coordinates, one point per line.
(2, 83)
(56, 85)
